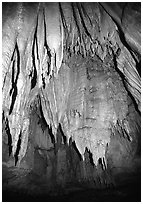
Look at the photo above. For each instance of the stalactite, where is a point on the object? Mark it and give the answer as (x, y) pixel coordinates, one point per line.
(87, 98)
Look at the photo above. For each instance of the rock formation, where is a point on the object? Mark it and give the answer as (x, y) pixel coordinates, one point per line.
(71, 91)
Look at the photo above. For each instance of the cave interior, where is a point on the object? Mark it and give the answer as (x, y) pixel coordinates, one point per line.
(71, 113)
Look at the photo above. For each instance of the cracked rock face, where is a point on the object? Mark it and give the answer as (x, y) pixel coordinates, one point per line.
(71, 90)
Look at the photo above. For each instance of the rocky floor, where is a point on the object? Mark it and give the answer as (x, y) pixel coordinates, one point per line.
(21, 185)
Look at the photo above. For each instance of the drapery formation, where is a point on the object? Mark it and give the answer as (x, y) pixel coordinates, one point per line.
(41, 42)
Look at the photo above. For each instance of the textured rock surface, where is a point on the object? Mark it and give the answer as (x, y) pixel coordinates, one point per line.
(71, 96)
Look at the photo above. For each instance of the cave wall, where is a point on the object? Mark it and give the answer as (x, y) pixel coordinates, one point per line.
(58, 159)
(75, 117)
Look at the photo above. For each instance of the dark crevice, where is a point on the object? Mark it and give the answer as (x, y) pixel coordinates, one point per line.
(18, 148)
(47, 47)
(9, 136)
(3, 116)
(100, 163)
(18, 62)
(138, 66)
(58, 139)
(42, 120)
(40, 107)
(13, 99)
(75, 148)
(36, 41)
(34, 79)
(13, 91)
(51, 135)
(62, 134)
(13, 66)
(12, 79)
(34, 46)
(46, 125)
(90, 157)
(13, 54)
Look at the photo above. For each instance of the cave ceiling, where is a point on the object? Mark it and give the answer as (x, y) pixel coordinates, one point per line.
(81, 60)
